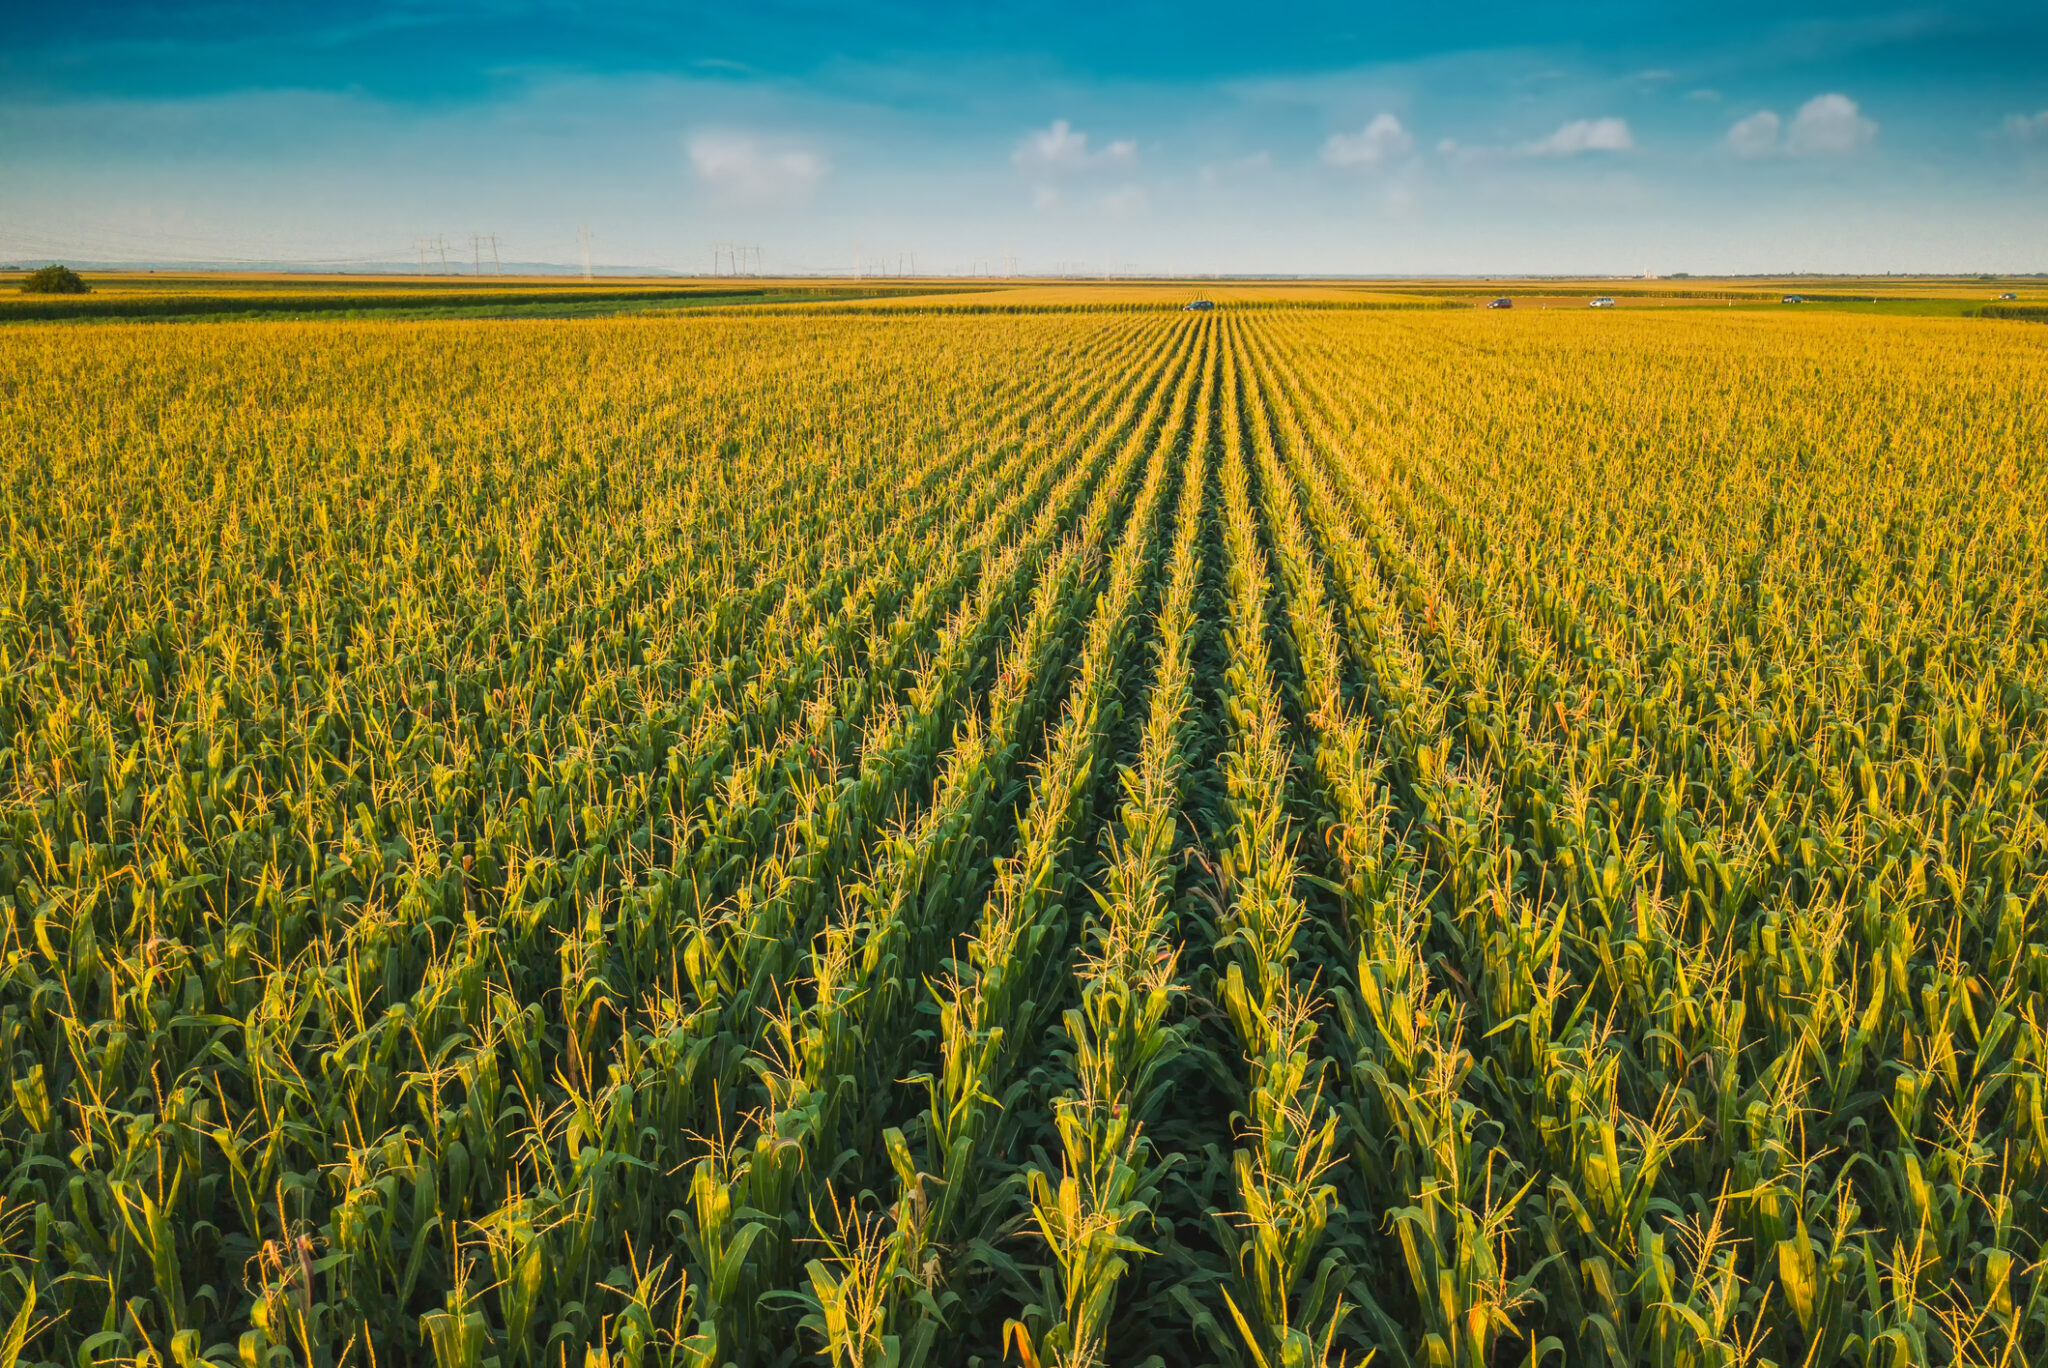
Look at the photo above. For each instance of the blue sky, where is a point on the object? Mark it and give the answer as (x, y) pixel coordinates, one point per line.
(1607, 137)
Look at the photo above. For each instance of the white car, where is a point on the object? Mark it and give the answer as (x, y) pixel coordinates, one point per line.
(1603, 302)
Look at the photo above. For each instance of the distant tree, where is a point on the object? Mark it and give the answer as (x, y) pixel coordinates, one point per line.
(55, 280)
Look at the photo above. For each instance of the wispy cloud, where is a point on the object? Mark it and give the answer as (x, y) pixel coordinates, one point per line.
(1585, 135)
(1373, 146)
(2027, 128)
(1124, 203)
(742, 169)
(1061, 147)
(1579, 137)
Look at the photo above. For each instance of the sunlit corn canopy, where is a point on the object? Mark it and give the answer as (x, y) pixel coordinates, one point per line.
(1272, 834)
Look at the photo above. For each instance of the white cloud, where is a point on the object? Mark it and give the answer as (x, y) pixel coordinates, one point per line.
(1755, 136)
(1059, 145)
(1585, 135)
(1062, 147)
(1374, 145)
(2027, 128)
(1828, 126)
(743, 170)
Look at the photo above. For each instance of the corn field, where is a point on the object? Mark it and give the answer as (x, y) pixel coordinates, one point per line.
(1282, 837)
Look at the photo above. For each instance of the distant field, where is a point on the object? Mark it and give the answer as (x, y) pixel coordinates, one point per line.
(1022, 825)
(133, 297)
(218, 296)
